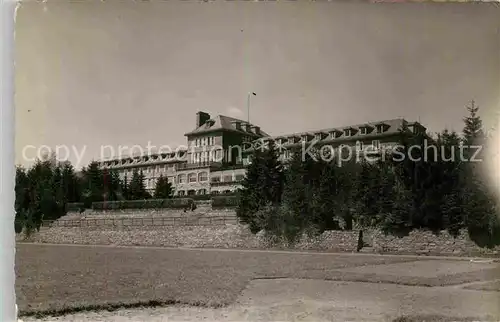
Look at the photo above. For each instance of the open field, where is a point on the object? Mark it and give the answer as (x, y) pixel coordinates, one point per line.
(316, 300)
(60, 279)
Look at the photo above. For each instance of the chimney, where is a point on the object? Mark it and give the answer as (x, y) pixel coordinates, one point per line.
(201, 118)
(237, 125)
(256, 130)
(248, 127)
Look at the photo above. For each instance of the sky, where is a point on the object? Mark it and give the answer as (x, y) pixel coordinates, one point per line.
(127, 73)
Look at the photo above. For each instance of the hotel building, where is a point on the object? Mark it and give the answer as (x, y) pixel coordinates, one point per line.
(217, 151)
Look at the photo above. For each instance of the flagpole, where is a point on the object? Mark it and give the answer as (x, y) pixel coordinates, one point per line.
(248, 108)
(248, 105)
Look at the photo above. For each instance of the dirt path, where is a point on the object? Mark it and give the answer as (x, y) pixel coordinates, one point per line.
(312, 300)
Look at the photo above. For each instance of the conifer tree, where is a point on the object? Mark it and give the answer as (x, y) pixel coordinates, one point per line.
(473, 129)
(92, 184)
(262, 186)
(111, 185)
(163, 188)
(22, 201)
(479, 206)
(298, 191)
(137, 189)
(125, 188)
(365, 195)
(71, 183)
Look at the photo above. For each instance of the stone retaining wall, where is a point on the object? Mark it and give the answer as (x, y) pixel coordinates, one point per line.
(238, 236)
(223, 236)
(146, 213)
(423, 242)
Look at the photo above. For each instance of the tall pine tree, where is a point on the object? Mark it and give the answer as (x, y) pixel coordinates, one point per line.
(473, 129)
(262, 186)
(163, 189)
(137, 188)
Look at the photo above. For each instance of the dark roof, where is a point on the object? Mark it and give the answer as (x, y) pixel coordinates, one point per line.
(393, 127)
(221, 122)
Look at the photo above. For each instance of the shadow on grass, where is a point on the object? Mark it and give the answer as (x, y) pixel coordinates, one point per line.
(110, 307)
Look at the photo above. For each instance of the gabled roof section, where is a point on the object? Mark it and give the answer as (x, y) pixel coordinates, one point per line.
(224, 123)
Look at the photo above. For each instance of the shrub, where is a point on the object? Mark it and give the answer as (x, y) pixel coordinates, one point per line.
(75, 206)
(18, 226)
(195, 197)
(225, 201)
(175, 203)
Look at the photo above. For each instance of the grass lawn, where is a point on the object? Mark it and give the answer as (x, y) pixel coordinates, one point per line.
(61, 279)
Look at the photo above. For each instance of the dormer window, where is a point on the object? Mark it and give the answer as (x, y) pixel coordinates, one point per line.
(415, 127)
(304, 138)
(237, 125)
(335, 134)
(382, 127)
(366, 129)
(318, 136)
(349, 131)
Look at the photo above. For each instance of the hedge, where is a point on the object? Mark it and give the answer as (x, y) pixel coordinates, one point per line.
(75, 206)
(143, 204)
(225, 201)
(195, 197)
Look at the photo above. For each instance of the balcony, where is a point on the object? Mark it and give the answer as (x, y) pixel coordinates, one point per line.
(188, 166)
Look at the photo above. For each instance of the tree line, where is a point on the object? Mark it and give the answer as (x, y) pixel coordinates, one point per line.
(439, 192)
(43, 190)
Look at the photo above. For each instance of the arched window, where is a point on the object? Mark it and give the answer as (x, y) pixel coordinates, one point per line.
(202, 192)
(181, 193)
(192, 177)
(202, 176)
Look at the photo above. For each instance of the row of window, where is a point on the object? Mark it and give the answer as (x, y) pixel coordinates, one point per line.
(192, 192)
(359, 146)
(199, 192)
(228, 178)
(153, 158)
(192, 177)
(332, 135)
(148, 170)
(210, 156)
(210, 140)
(285, 155)
(375, 145)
